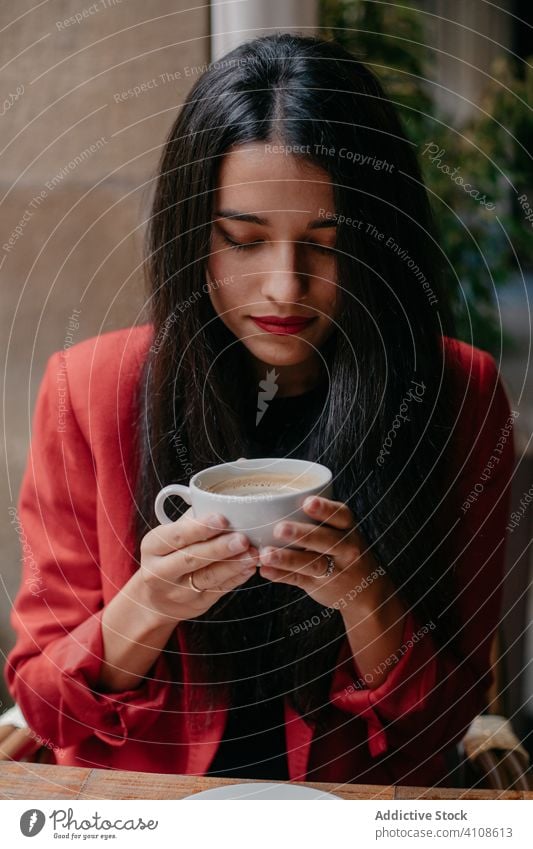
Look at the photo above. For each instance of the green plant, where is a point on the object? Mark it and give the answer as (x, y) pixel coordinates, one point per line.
(481, 230)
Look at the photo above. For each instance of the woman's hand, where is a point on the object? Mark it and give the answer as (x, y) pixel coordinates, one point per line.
(306, 566)
(358, 587)
(217, 559)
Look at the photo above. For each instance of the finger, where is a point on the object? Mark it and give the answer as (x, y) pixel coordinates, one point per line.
(186, 530)
(216, 575)
(280, 576)
(334, 513)
(228, 586)
(201, 554)
(321, 538)
(313, 565)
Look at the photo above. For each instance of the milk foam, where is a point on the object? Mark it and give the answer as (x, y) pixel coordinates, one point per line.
(256, 485)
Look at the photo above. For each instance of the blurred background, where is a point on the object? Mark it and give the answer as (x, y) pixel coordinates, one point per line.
(88, 94)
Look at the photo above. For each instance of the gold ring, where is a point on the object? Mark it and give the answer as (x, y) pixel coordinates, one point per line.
(193, 585)
(330, 568)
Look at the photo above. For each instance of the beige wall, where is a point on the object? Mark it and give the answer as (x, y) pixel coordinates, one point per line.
(80, 242)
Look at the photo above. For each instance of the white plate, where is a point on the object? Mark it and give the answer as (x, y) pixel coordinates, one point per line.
(263, 790)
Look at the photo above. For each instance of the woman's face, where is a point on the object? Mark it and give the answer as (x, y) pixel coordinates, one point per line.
(275, 205)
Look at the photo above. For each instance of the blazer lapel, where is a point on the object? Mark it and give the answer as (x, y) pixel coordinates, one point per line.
(298, 736)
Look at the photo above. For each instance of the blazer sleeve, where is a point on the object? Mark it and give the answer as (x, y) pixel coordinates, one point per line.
(430, 696)
(53, 669)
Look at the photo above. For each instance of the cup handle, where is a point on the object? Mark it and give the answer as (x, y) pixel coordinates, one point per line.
(172, 489)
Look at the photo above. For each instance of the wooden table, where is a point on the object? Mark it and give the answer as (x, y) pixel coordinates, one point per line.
(23, 780)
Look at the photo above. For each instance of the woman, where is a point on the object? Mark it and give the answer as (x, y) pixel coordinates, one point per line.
(297, 307)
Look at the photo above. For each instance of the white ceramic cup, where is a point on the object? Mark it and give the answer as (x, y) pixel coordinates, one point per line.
(254, 515)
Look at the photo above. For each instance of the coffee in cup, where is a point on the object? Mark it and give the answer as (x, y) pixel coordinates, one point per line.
(260, 485)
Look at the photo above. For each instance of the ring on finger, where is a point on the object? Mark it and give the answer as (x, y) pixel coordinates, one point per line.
(330, 568)
(192, 585)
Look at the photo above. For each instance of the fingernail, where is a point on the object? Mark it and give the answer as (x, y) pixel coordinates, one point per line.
(217, 520)
(237, 543)
(312, 503)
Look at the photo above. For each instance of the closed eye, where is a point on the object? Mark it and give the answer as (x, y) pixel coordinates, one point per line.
(241, 246)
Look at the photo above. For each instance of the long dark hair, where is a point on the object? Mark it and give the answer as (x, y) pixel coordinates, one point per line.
(389, 335)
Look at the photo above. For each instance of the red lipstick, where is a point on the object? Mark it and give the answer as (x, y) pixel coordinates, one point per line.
(279, 325)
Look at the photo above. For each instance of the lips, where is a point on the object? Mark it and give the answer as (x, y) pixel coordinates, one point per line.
(276, 324)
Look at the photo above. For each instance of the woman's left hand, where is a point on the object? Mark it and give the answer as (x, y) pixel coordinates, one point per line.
(306, 566)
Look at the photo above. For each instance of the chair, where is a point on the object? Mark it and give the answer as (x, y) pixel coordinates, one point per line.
(18, 742)
(490, 754)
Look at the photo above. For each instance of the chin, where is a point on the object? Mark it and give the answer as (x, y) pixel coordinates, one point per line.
(275, 354)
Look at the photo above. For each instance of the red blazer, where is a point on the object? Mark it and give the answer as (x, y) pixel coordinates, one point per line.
(74, 506)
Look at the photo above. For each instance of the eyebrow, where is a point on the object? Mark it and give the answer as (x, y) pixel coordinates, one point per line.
(316, 224)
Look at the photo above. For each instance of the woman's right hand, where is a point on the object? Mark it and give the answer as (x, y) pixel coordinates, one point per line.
(219, 560)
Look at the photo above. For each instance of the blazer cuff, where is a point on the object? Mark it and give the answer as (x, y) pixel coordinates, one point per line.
(114, 717)
(403, 692)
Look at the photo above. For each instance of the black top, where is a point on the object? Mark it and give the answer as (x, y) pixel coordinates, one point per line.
(254, 743)
(286, 424)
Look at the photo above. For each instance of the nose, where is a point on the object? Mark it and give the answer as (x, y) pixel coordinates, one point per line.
(284, 279)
